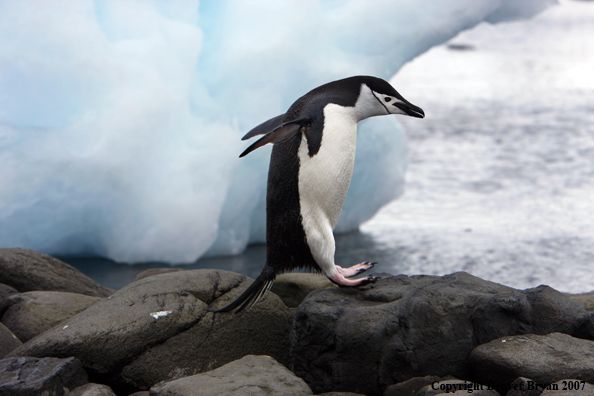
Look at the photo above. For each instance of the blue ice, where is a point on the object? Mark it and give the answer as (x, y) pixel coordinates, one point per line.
(120, 121)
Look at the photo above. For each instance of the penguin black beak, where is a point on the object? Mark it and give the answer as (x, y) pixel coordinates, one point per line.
(410, 109)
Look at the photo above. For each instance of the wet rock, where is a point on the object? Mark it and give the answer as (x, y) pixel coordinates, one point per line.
(155, 271)
(159, 329)
(251, 375)
(364, 339)
(6, 291)
(8, 341)
(569, 387)
(544, 358)
(28, 376)
(32, 313)
(584, 299)
(294, 287)
(523, 386)
(410, 387)
(92, 390)
(28, 270)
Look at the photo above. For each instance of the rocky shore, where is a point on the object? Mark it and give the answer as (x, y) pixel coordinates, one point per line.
(61, 333)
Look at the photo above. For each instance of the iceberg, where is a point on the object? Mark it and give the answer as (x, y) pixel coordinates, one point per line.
(120, 121)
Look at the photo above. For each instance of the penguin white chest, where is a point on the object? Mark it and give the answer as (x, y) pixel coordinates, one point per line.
(324, 179)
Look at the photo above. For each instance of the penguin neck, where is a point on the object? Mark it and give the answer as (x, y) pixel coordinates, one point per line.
(368, 105)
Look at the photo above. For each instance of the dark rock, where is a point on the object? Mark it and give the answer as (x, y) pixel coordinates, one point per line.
(584, 299)
(6, 291)
(410, 387)
(28, 270)
(92, 390)
(545, 359)
(294, 287)
(251, 375)
(339, 394)
(141, 393)
(461, 47)
(159, 329)
(8, 341)
(523, 386)
(155, 271)
(364, 339)
(28, 376)
(456, 387)
(32, 313)
(569, 387)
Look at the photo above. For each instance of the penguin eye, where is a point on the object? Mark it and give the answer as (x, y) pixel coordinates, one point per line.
(387, 99)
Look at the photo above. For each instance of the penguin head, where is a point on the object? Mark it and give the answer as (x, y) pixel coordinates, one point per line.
(377, 97)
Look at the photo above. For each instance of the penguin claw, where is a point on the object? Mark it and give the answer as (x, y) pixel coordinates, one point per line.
(367, 265)
(356, 269)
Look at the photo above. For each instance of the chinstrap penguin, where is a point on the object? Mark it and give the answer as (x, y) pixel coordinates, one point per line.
(310, 171)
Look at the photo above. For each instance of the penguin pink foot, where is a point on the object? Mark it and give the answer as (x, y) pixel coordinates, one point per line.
(341, 275)
(356, 269)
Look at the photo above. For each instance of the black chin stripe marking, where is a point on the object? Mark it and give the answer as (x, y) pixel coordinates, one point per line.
(378, 99)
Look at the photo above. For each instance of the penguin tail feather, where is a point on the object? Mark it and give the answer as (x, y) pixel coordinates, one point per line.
(251, 295)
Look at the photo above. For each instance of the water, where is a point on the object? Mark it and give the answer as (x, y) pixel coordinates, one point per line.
(117, 275)
(500, 181)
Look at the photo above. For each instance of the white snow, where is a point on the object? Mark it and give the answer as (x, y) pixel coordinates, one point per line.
(160, 314)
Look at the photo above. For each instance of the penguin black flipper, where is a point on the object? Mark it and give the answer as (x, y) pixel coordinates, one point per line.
(253, 293)
(265, 127)
(277, 135)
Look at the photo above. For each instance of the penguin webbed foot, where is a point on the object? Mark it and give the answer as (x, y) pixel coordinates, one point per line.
(356, 269)
(341, 275)
(370, 265)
